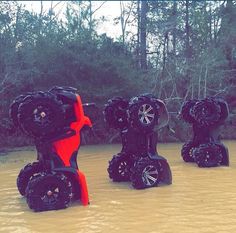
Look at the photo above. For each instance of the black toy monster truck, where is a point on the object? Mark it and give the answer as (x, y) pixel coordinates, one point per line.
(206, 116)
(138, 160)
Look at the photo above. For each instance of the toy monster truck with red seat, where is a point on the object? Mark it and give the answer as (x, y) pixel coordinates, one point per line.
(54, 118)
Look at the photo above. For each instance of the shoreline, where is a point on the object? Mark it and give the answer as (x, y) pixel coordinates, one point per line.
(6, 150)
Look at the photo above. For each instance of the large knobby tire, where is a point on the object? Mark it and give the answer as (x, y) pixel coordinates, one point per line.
(225, 154)
(224, 109)
(115, 113)
(26, 174)
(143, 112)
(76, 188)
(187, 151)
(119, 168)
(208, 155)
(13, 111)
(48, 192)
(58, 89)
(68, 96)
(206, 112)
(146, 173)
(41, 114)
(186, 111)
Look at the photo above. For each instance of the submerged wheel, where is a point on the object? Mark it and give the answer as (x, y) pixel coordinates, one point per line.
(207, 112)
(119, 168)
(186, 110)
(26, 174)
(41, 114)
(143, 112)
(115, 113)
(225, 154)
(187, 151)
(208, 155)
(49, 192)
(146, 173)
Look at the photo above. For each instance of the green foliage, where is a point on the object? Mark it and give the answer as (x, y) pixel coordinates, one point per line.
(38, 51)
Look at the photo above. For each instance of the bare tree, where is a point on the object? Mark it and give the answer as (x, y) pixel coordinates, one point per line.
(125, 14)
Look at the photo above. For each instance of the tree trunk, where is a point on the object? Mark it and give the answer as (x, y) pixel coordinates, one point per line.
(122, 22)
(125, 13)
(138, 33)
(40, 19)
(210, 24)
(90, 18)
(228, 33)
(188, 49)
(187, 28)
(16, 32)
(143, 35)
(175, 25)
(174, 13)
(205, 81)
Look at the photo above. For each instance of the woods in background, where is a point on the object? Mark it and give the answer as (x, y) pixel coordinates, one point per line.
(177, 50)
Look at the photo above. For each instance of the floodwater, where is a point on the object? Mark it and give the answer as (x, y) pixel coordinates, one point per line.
(199, 200)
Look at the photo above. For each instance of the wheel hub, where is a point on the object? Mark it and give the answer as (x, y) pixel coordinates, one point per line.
(123, 169)
(146, 114)
(150, 175)
(49, 193)
(191, 152)
(41, 115)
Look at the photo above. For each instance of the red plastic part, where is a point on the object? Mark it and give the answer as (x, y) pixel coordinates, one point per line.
(84, 197)
(64, 148)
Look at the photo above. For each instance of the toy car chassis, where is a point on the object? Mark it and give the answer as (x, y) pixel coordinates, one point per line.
(138, 160)
(54, 119)
(206, 116)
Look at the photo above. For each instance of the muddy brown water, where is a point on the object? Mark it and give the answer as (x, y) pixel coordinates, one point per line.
(199, 200)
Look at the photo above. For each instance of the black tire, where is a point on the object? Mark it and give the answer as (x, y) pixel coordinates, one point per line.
(119, 168)
(66, 95)
(115, 113)
(208, 155)
(13, 111)
(26, 174)
(187, 151)
(143, 112)
(76, 189)
(41, 114)
(48, 192)
(146, 173)
(207, 112)
(58, 89)
(225, 154)
(224, 109)
(186, 111)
